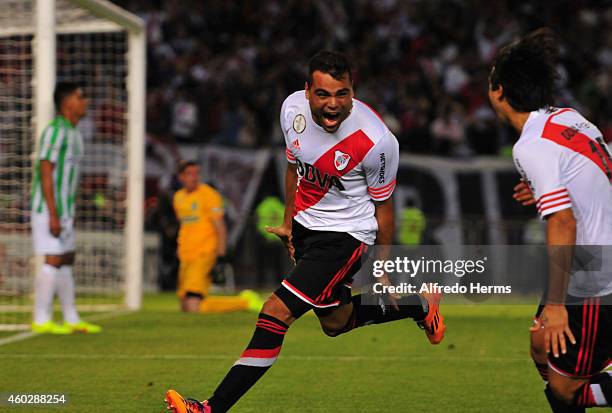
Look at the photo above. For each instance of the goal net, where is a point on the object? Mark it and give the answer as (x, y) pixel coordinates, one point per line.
(101, 47)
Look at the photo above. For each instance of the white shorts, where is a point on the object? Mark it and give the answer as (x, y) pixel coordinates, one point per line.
(47, 244)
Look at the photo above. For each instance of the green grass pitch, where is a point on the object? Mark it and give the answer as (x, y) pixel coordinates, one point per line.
(481, 366)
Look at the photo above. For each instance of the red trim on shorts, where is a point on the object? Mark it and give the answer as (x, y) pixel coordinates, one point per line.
(563, 372)
(304, 297)
(582, 337)
(587, 398)
(341, 273)
(587, 353)
(595, 330)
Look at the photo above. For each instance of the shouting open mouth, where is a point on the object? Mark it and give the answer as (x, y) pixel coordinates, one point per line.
(331, 119)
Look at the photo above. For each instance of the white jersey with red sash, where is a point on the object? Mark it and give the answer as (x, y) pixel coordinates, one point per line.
(340, 174)
(566, 163)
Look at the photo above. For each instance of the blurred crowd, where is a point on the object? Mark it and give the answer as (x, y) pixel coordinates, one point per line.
(219, 70)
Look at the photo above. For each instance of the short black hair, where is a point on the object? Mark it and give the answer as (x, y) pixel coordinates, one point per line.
(184, 164)
(333, 63)
(526, 71)
(62, 91)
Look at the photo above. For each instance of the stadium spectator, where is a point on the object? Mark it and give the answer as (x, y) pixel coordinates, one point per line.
(405, 52)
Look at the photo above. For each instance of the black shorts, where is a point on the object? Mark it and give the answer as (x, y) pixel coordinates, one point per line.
(590, 320)
(326, 262)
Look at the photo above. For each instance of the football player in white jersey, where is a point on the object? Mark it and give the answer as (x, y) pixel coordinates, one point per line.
(56, 177)
(566, 172)
(342, 163)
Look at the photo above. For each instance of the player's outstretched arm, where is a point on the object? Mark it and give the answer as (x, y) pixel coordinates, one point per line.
(46, 180)
(561, 238)
(284, 231)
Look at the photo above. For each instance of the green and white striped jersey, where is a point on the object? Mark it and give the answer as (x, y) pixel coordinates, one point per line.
(61, 144)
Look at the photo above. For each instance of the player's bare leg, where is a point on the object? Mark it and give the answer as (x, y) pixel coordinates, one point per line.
(336, 322)
(538, 350)
(191, 303)
(564, 388)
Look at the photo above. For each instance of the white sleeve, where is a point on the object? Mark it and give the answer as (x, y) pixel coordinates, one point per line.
(380, 165)
(541, 166)
(287, 114)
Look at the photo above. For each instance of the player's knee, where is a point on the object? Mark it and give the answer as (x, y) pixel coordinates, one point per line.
(276, 308)
(562, 392)
(564, 388)
(538, 354)
(333, 328)
(331, 332)
(538, 348)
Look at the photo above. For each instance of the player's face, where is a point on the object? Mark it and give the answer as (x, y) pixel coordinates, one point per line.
(330, 100)
(190, 177)
(76, 104)
(496, 99)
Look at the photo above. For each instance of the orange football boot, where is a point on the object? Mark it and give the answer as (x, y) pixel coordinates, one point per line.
(433, 323)
(177, 404)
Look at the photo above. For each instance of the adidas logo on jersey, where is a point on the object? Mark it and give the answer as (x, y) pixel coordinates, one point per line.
(324, 180)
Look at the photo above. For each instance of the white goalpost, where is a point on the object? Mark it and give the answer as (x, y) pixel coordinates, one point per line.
(102, 47)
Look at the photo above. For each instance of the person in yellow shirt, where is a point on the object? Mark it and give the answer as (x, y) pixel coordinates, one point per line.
(201, 239)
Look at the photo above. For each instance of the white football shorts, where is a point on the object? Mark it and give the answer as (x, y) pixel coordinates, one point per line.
(47, 244)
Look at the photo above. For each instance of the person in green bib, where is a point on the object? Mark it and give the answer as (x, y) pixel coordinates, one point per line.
(56, 177)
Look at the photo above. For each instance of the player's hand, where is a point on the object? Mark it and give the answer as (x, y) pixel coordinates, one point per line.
(284, 234)
(523, 194)
(556, 327)
(392, 298)
(55, 228)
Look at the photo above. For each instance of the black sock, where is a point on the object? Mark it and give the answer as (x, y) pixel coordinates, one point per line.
(558, 406)
(260, 354)
(597, 392)
(412, 306)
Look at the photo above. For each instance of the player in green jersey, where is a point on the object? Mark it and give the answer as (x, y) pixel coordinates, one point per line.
(56, 177)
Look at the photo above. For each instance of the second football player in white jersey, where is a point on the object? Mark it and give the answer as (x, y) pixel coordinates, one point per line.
(567, 173)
